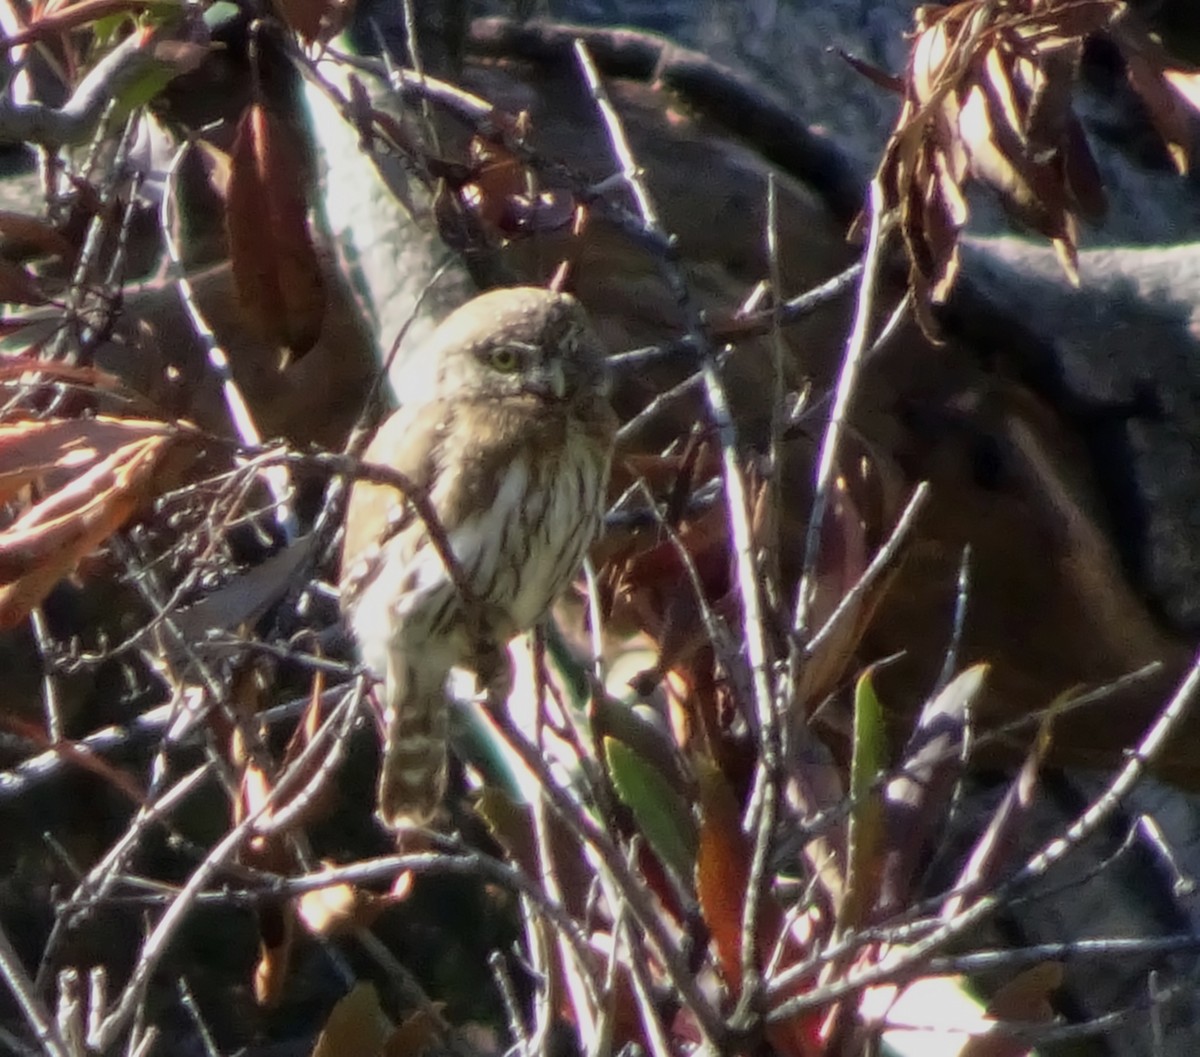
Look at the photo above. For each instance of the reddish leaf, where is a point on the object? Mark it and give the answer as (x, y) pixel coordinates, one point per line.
(722, 876)
(722, 870)
(33, 235)
(75, 753)
(278, 276)
(101, 472)
(18, 286)
(74, 16)
(315, 19)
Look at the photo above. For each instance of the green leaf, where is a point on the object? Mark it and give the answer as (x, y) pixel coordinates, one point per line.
(867, 762)
(662, 814)
(221, 14)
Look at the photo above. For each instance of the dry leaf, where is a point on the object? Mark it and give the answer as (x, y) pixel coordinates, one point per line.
(340, 908)
(98, 473)
(315, 19)
(1023, 1000)
(277, 930)
(275, 266)
(356, 1025)
(988, 98)
(32, 236)
(18, 286)
(722, 875)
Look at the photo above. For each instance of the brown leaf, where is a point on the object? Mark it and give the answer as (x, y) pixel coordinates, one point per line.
(988, 98)
(340, 908)
(419, 1032)
(722, 870)
(277, 930)
(99, 471)
(19, 368)
(315, 19)
(278, 276)
(722, 876)
(18, 286)
(356, 1025)
(1167, 90)
(878, 77)
(841, 559)
(30, 236)
(1023, 1000)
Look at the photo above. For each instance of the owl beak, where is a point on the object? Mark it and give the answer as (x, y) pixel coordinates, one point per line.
(551, 381)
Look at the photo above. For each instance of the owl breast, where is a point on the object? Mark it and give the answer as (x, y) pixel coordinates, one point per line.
(522, 552)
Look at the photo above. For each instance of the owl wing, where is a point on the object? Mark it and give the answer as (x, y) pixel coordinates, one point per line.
(407, 442)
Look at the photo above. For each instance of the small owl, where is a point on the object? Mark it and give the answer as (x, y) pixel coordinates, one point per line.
(512, 443)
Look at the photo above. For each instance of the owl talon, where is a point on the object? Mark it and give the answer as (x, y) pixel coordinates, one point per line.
(493, 670)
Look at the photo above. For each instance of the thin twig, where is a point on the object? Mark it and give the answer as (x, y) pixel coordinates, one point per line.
(37, 1016)
(883, 558)
(913, 957)
(856, 345)
(276, 478)
(765, 801)
(155, 945)
(586, 830)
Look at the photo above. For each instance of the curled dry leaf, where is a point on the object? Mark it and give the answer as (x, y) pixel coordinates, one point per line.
(280, 287)
(276, 935)
(340, 908)
(94, 475)
(505, 196)
(987, 98)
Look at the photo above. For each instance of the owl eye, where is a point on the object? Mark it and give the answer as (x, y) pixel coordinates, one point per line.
(504, 359)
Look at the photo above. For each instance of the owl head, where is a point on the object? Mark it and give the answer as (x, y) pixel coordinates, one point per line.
(519, 342)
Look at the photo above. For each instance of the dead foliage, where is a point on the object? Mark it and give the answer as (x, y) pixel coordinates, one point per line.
(988, 99)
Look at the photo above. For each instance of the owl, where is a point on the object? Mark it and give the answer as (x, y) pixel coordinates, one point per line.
(511, 441)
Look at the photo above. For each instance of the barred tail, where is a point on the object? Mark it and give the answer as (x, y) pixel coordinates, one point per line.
(412, 773)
